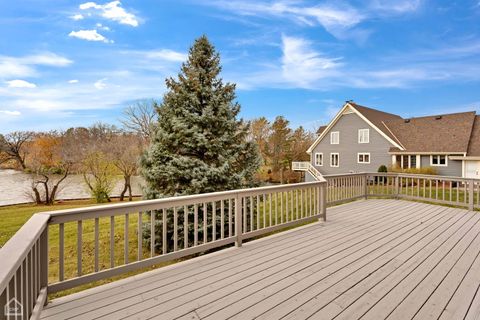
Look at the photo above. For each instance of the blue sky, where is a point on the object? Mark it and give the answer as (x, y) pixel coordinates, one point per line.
(72, 63)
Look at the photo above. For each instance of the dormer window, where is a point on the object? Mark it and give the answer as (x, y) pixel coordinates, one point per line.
(335, 137)
(364, 136)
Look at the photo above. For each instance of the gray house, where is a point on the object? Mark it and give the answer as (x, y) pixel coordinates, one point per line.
(360, 139)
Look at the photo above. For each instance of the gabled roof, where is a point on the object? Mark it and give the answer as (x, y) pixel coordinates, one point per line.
(378, 118)
(447, 133)
(474, 145)
(441, 133)
(371, 116)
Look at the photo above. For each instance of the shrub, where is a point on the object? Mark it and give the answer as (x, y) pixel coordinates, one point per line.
(382, 168)
(425, 170)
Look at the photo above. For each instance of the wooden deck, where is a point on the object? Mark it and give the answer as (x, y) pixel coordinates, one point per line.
(373, 259)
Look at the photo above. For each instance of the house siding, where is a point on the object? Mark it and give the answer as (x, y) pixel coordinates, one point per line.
(348, 126)
(454, 167)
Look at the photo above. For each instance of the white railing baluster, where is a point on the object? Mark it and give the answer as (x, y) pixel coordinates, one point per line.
(139, 237)
(125, 239)
(214, 221)
(195, 225)
(222, 219)
(96, 244)
(112, 241)
(175, 230)
(185, 227)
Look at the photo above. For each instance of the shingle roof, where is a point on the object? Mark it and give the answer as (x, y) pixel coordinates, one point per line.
(451, 133)
(443, 133)
(321, 129)
(474, 146)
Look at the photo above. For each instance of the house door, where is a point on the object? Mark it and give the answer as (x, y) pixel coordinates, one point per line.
(472, 169)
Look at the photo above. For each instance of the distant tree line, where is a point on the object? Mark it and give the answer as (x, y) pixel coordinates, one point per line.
(279, 145)
(101, 153)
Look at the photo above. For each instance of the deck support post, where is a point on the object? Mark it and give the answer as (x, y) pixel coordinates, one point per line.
(238, 220)
(471, 193)
(323, 202)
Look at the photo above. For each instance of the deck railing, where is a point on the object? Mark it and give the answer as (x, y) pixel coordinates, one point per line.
(58, 250)
(90, 244)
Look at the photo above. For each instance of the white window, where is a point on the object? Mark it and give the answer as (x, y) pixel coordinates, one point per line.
(438, 160)
(334, 160)
(407, 161)
(335, 137)
(319, 159)
(363, 135)
(363, 157)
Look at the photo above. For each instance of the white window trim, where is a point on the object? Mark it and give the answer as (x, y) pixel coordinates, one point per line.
(338, 162)
(439, 165)
(331, 137)
(364, 154)
(315, 159)
(360, 135)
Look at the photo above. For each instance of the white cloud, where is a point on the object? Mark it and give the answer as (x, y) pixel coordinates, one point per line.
(89, 35)
(334, 18)
(396, 6)
(166, 54)
(100, 84)
(20, 84)
(26, 66)
(101, 26)
(77, 17)
(11, 113)
(112, 11)
(73, 81)
(302, 65)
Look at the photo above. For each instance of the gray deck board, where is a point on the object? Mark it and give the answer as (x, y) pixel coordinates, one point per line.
(372, 259)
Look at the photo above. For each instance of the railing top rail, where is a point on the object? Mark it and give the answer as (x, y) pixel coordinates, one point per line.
(401, 174)
(146, 205)
(345, 174)
(422, 176)
(16, 249)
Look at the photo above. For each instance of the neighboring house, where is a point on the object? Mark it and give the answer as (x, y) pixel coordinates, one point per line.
(361, 139)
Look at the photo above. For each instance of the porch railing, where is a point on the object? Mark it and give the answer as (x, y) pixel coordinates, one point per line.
(58, 250)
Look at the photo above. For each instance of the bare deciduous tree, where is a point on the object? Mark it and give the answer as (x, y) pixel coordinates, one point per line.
(51, 159)
(13, 147)
(125, 150)
(140, 118)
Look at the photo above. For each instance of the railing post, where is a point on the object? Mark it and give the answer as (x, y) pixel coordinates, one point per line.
(471, 184)
(44, 260)
(397, 185)
(365, 186)
(323, 202)
(238, 220)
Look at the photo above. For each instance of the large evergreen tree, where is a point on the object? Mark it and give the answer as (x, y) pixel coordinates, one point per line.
(200, 144)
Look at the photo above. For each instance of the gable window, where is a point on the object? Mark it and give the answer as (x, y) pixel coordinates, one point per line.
(334, 160)
(363, 157)
(319, 159)
(363, 135)
(438, 160)
(335, 137)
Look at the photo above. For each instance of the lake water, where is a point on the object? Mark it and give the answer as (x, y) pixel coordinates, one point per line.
(15, 187)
